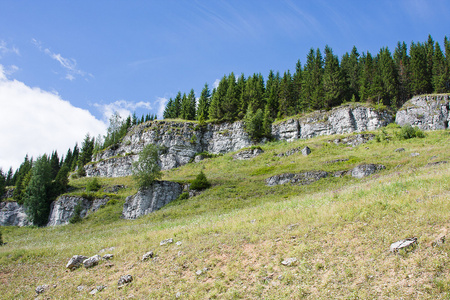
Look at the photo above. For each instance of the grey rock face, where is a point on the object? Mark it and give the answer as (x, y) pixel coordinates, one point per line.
(248, 154)
(180, 142)
(13, 214)
(426, 112)
(298, 179)
(151, 199)
(343, 119)
(63, 208)
(75, 261)
(366, 170)
(165, 242)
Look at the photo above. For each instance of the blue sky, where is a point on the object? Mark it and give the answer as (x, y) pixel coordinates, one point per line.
(86, 59)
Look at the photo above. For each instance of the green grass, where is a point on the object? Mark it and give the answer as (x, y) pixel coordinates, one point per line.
(339, 229)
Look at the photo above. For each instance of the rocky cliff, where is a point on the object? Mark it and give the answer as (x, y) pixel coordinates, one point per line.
(179, 141)
(12, 214)
(150, 199)
(63, 208)
(344, 119)
(429, 112)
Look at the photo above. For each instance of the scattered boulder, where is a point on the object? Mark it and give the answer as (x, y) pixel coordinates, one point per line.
(124, 280)
(341, 173)
(248, 153)
(337, 160)
(91, 261)
(303, 178)
(200, 272)
(306, 151)
(366, 170)
(107, 249)
(97, 204)
(199, 158)
(403, 244)
(108, 256)
(414, 154)
(76, 261)
(436, 163)
(147, 256)
(41, 288)
(289, 152)
(354, 140)
(289, 261)
(13, 214)
(165, 242)
(399, 150)
(179, 243)
(97, 289)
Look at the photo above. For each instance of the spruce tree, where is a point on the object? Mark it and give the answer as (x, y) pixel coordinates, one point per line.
(447, 64)
(286, 100)
(351, 73)
(2, 183)
(388, 74)
(366, 76)
(297, 87)
(419, 75)
(230, 101)
(216, 108)
(192, 105)
(37, 195)
(440, 76)
(401, 60)
(9, 177)
(184, 112)
(333, 81)
(177, 106)
(272, 93)
(203, 104)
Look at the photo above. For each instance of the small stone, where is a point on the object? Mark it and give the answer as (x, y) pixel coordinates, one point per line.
(253, 221)
(80, 288)
(107, 249)
(289, 261)
(108, 256)
(199, 272)
(403, 244)
(93, 292)
(165, 242)
(415, 154)
(91, 261)
(41, 288)
(75, 261)
(306, 151)
(439, 242)
(124, 280)
(178, 295)
(280, 277)
(147, 255)
(179, 243)
(399, 150)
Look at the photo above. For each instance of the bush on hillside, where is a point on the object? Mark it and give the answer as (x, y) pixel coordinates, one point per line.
(147, 169)
(76, 214)
(409, 132)
(93, 185)
(1, 239)
(200, 182)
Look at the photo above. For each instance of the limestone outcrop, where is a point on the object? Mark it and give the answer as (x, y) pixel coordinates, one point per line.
(430, 112)
(63, 209)
(343, 119)
(150, 199)
(13, 214)
(179, 142)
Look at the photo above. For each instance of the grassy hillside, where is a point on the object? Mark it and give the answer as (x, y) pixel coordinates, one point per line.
(239, 231)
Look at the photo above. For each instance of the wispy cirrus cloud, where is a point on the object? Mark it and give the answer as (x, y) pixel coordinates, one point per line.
(6, 49)
(69, 64)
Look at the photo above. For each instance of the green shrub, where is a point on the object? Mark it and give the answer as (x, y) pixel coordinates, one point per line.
(183, 196)
(93, 185)
(81, 172)
(76, 214)
(1, 239)
(146, 169)
(200, 182)
(409, 132)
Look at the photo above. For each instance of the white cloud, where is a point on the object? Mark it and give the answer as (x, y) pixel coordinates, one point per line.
(161, 106)
(123, 107)
(5, 49)
(216, 83)
(69, 64)
(35, 122)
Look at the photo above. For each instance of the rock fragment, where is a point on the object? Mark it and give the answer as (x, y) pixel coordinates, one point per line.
(124, 280)
(306, 151)
(366, 170)
(108, 256)
(147, 256)
(399, 150)
(289, 261)
(91, 261)
(75, 261)
(41, 288)
(403, 244)
(165, 242)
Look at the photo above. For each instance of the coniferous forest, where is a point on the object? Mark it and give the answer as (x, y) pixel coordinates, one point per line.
(387, 78)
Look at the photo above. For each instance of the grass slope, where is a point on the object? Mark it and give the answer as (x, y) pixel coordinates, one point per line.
(338, 229)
